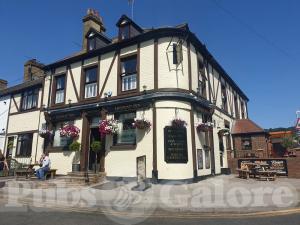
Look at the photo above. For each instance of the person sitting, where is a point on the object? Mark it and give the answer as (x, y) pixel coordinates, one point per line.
(45, 167)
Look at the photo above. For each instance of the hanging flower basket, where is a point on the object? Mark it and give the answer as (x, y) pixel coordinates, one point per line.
(203, 127)
(45, 133)
(69, 131)
(178, 123)
(108, 127)
(224, 131)
(142, 124)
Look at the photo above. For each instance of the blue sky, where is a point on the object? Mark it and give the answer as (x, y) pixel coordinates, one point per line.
(256, 42)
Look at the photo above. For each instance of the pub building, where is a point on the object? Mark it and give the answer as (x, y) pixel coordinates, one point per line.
(163, 76)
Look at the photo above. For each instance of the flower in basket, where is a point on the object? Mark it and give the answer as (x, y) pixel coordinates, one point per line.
(178, 123)
(45, 133)
(108, 127)
(141, 124)
(202, 127)
(69, 131)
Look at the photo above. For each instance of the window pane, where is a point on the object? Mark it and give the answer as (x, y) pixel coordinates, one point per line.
(90, 90)
(91, 75)
(30, 99)
(59, 141)
(60, 83)
(129, 82)
(127, 133)
(60, 96)
(129, 66)
(124, 32)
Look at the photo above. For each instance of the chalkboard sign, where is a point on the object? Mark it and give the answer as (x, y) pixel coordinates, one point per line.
(175, 145)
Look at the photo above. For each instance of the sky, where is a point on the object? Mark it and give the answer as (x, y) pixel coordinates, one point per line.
(256, 42)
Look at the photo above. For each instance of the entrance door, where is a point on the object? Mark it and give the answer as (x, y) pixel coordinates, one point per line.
(94, 136)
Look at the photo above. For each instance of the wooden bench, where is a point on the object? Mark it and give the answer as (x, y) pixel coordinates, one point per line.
(267, 175)
(51, 173)
(243, 173)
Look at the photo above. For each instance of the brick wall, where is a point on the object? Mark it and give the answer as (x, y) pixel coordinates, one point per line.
(258, 142)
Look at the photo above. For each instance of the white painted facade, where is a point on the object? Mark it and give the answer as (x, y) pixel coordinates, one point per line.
(4, 111)
(171, 79)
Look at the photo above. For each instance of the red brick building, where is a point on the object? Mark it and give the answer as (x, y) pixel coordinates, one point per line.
(249, 140)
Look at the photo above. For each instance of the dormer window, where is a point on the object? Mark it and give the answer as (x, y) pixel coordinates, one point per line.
(128, 28)
(124, 32)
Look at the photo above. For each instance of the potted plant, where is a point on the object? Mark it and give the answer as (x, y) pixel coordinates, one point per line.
(75, 147)
(178, 123)
(142, 124)
(96, 147)
(69, 130)
(108, 127)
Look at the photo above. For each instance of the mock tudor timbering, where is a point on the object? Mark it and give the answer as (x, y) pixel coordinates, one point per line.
(155, 74)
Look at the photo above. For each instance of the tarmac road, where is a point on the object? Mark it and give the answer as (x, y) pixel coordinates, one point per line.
(39, 216)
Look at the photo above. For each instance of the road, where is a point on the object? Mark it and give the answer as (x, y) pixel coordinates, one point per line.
(38, 216)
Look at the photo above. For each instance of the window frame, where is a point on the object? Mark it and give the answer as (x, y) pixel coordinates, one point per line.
(35, 92)
(55, 88)
(225, 99)
(123, 26)
(56, 126)
(115, 137)
(28, 152)
(84, 83)
(121, 74)
(246, 138)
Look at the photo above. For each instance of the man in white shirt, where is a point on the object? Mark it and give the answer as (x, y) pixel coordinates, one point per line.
(46, 164)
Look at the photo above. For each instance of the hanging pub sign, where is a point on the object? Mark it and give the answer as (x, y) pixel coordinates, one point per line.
(279, 165)
(175, 144)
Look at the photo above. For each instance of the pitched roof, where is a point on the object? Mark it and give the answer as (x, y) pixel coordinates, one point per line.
(20, 87)
(246, 126)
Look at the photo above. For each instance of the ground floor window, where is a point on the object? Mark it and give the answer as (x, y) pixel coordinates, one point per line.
(207, 159)
(200, 158)
(127, 133)
(24, 145)
(61, 141)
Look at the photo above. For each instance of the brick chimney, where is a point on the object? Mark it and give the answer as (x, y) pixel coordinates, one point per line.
(91, 20)
(3, 84)
(33, 70)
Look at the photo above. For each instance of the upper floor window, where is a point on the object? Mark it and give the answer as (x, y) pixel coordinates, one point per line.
(124, 32)
(224, 97)
(24, 145)
(92, 44)
(243, 110)
(90, 85)
(60, 89)
(127, 133)
(129, 73)
(246, 143)
(30, 99)
(201, 80)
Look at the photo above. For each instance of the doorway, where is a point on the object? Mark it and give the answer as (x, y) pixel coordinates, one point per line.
(94, 136)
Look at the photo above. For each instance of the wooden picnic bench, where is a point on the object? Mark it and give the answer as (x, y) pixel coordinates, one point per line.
(243, 173)
(267, 175)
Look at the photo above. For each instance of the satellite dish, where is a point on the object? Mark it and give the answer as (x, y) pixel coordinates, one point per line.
(109, 94)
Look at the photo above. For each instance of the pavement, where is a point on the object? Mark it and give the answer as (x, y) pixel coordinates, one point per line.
(217, 196)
